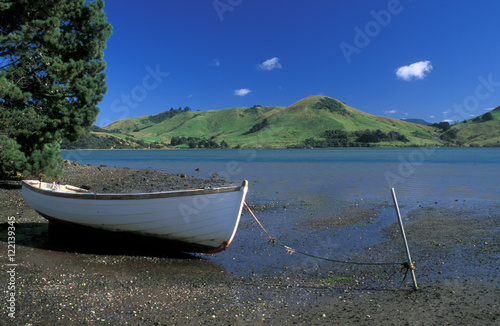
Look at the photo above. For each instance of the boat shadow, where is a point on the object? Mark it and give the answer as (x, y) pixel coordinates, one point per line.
(86, 241)
(10, 184)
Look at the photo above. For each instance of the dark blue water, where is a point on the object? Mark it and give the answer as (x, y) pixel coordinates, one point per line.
(317, 183)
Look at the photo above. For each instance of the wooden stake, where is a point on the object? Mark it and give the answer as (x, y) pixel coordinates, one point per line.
(398, 213)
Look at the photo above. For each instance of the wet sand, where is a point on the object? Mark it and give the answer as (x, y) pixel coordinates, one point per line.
(100, 281)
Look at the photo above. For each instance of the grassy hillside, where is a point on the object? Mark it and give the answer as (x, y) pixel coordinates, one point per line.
(105, 140)
(482, 131)
(270, 127)
(315, 121)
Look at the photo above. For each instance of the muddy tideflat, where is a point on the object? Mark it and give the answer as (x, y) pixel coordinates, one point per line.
(57, 283)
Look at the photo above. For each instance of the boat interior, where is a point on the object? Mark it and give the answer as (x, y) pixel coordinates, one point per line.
(56, 187)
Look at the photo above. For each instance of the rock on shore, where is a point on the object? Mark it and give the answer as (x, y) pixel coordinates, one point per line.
(104, 179)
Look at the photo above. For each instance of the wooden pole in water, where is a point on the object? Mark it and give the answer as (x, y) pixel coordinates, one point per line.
(398, 213)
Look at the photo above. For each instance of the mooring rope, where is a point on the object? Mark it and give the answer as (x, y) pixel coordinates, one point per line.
(406, 267)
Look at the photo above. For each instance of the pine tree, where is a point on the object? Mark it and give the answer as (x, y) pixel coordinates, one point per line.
(51, 78)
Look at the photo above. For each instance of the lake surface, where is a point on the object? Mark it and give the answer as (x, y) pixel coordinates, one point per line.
(339, 173)
(304, 184)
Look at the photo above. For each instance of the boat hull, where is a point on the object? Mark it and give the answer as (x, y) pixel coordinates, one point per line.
(201, 220)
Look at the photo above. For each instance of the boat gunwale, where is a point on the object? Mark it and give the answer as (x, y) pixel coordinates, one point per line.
(131, 196)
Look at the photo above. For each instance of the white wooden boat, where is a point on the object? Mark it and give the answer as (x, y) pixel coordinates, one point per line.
(197, 220)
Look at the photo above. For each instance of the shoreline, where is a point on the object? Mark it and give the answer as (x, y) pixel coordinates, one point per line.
(454, 246)
(259, 148)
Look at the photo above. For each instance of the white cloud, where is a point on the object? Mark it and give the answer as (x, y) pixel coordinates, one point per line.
(391, 111)
(432, 117)
(417, 70)
(270, 64)
(241, 91)
(216, 62)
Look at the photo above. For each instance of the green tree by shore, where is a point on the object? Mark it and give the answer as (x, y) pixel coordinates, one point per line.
(51, 79)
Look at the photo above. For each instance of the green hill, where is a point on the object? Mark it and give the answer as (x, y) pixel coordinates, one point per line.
(481, 131)
(270, 127)
(315, 121)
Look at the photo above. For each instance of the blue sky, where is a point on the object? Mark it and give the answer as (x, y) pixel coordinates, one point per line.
(428, 59)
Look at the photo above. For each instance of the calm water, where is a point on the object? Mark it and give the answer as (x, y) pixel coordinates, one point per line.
(338, 173)
(327, 179)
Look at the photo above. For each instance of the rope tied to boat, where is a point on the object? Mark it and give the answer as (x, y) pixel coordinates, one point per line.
(405, 269)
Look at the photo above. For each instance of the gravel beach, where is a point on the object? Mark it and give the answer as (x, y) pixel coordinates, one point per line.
(456, 247)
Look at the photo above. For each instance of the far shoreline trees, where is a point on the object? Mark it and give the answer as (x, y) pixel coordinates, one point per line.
(341, 138)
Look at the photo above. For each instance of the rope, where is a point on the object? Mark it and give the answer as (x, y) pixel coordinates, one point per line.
(406, 267)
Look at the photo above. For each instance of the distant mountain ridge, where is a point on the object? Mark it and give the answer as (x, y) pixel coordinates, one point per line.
(418, 121)
(315, 121)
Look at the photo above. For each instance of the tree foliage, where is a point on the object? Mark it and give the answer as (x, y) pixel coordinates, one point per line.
(51, 78)
(341, 138)
(375, 136)
(253, 110)
(256, 127)
(332, 105)
(485, 117)
(160, 117)
(449, 134)
(196, 142)
(444, 126)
